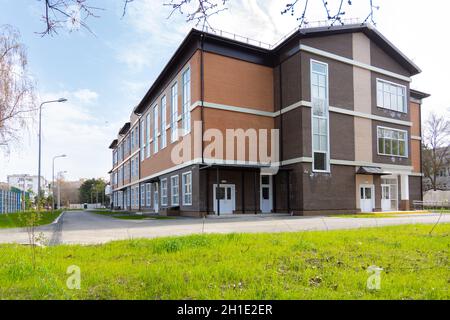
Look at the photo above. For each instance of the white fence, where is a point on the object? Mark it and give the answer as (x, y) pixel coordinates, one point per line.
(86, 206)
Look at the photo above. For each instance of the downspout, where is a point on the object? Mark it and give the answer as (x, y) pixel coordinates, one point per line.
(202, 98)
(420, 155)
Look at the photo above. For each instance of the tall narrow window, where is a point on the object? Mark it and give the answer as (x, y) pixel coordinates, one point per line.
(319, 101)
(186, 116)
(155, 129)
(142, 140)
(187, 188)
(147, 120)
(164, 192)
(148, 197)
(142, 195)
(132, 140)
(163, 122)
(174, 184)
(174, 112)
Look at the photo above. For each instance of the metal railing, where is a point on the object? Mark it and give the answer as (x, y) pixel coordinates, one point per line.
(265, 45)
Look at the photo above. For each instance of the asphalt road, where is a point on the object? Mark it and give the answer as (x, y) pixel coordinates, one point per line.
(79, 227)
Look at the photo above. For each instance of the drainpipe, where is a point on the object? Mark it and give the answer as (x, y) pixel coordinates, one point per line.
(202, 86)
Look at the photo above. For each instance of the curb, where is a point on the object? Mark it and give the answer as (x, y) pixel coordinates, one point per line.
(57, 219)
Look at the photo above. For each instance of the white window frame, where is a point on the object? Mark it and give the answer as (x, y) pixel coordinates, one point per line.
(163, 114)
(392, 155)
(142, 122)
(147, 143)
(155, 129)
(142, 187)
(174, 112)
(186, 101)
(173, 187)
(325, 117)
(381, 104)
(164, 195)
(183, 188)
(148, 194)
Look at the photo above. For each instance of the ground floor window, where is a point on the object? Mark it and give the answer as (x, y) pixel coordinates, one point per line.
(142, 195)
(187, 188)
(164, 192)
(148, 197)
(174, 184)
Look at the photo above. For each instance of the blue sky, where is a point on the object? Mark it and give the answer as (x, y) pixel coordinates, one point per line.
(105, 75)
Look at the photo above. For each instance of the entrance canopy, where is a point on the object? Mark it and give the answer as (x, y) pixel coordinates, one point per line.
(371, 171)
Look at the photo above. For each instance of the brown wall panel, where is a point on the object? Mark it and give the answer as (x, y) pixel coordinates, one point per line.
(381, 59)
(340, 44)
(238, 83)
(342, 137)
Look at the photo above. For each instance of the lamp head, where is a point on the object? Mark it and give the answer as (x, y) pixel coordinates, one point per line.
(62, 100)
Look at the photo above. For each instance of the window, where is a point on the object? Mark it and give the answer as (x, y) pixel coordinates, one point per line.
(391, 96)
(142, 140)
(174, 184)
(147, 120)
(186, 116)
(164, 192)
(187, 188)
(392, 142)
(148, 198)
(142, 195)
(174, 112)
(320, 132)
(163, 122)
(132, 139)
(155, 129)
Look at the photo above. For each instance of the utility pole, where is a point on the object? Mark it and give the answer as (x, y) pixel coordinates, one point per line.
(40, 139)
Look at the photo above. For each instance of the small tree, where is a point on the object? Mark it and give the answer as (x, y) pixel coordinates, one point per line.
(435, 147)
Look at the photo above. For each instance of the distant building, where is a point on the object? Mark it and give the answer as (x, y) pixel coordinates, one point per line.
(10, 199)
(26, 182)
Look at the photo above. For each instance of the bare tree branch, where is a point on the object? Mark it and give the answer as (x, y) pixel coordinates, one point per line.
(17, 99)
(436, 151)
(68, 13)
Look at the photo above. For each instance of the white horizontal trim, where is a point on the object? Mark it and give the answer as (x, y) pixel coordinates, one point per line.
(293, 106)
(296, 160)
(352, 163)
(238, 109)
(353, 62)
(416, 138)
(168, 127)
(368, 116)
(416, 174)
(298, 104)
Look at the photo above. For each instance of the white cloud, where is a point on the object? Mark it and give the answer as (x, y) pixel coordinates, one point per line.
(86, 95)
(69, 128)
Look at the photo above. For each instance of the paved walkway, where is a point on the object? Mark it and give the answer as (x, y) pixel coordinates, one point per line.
(79, 227)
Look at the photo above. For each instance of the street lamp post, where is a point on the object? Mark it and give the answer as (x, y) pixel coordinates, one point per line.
(39, 160)
(53, 178)
(59, 187)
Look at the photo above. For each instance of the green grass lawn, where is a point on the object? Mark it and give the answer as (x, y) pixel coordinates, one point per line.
(21, 219)
(307, 265)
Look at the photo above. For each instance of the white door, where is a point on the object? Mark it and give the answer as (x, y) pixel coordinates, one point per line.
(226, 196)
(266, 193)
(155, 197)
(385, 197)
(366, 198)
